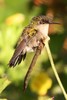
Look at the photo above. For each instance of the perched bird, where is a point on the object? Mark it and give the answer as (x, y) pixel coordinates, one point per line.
(30, 38)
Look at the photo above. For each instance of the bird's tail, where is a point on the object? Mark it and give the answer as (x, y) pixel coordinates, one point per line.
(18, 54)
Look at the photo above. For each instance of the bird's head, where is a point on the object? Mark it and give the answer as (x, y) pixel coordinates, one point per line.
(42, 20)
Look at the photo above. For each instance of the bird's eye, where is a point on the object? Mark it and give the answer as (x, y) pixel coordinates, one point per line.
(42, 21)
(46, 21)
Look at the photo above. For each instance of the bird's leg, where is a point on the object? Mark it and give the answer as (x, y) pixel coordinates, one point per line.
(37, 53)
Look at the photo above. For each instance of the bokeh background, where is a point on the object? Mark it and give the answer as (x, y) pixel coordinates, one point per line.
(14, 16)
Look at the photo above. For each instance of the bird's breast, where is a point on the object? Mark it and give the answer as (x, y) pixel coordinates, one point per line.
(43, 29)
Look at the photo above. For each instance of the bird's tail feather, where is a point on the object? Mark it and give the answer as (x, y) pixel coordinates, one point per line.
(13, 62)
(18, 54)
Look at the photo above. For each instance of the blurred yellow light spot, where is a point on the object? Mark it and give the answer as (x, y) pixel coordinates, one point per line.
(15, 19)
(45, 98)
(41, 83)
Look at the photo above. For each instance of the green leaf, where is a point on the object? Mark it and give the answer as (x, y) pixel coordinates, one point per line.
(4, 82)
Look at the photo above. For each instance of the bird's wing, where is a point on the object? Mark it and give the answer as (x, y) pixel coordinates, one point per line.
(23, 41)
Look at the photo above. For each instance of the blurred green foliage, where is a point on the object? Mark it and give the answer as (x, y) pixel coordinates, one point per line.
(9, 35)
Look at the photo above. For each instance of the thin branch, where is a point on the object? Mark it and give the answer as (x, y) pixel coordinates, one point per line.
(37, 53)
(54, 69)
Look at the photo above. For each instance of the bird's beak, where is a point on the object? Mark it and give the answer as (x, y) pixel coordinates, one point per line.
(54, 22)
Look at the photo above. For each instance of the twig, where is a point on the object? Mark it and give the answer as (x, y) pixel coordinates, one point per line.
(37, 53)
(54, 69)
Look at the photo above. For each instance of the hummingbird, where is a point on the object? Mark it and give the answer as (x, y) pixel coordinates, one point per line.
(31, 39)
